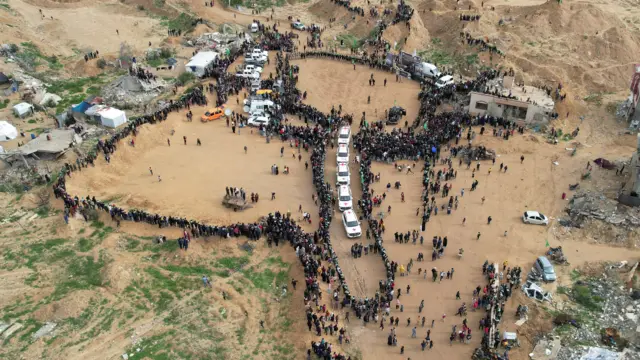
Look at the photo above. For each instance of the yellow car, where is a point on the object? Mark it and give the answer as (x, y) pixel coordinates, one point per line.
(213, 114)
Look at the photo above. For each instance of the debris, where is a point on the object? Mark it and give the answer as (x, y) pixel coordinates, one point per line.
(476, 153)
(11, 330)
(235, 202)
(584, 206)
(604, 163)
(45, 330)
(127, 91)
(557, 256)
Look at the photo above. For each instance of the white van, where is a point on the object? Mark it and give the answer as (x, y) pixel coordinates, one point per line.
(351, 224)
(444, 81)
(345, 201)
(430, 70)
(256, 105)
(343, 154)
(246, 73)
(343, 176)
(344, 136)
(254, 27)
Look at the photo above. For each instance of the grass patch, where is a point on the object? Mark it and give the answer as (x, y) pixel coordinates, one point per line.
(30, 56)
(82, 273)
(582, 295)
(4, 103)
(184, 22)
(188, 270)
(232, 263)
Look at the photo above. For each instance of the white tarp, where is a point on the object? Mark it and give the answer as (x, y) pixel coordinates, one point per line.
(48, 97)
(7, 131)
(23, 109)
(199, 63)
(112, 117)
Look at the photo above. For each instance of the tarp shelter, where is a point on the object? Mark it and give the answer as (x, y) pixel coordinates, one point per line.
(23, 109)
(199, 63)
(7, 131)
(112, 117)
(81, 108)
(4, 80)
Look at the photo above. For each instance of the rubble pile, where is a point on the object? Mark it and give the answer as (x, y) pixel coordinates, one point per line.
(585, 206)
(222, 43)
(474, 153)
(129, 91)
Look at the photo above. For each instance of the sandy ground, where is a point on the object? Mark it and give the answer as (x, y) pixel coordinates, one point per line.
(194, 189)
(194, 178)
(85, 26)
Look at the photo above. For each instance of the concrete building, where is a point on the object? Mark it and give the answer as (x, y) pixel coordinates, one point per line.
(502, 98)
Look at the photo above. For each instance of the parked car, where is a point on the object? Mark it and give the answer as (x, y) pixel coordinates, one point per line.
(534, 217)
(258, 119)
(343, 154)
(298, 26)
(213, 114)
(545, 268)
(253, 68)
(345, 201)
(444, 81)
(344, 137)
(351, 224)
(343, 175)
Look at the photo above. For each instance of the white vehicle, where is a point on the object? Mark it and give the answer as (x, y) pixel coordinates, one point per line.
(345, 135)
(255, 58)
(351, 224)
(343, 154)
(429, 70)
(253, 68)
(534, 217)
(258, 119)
(343, 175)
(248, 74)
(254, 27)
(444, 81)
(345, 200)
(259, 52)
(258, 106)
(298, 26)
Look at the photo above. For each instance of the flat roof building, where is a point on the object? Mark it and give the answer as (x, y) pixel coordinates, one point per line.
(523, 104)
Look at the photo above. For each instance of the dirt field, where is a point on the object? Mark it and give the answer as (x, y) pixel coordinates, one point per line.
(112, 290)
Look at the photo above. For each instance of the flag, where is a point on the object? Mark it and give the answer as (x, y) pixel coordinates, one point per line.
(546, 243)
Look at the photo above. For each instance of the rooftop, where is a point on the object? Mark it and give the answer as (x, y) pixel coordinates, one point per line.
(506, 87)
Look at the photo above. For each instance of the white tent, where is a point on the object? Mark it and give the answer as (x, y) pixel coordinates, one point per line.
(7, 131)
(112, 117)
(199, 63)
(23, 109)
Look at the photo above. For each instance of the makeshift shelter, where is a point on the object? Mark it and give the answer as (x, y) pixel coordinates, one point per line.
(112, 117)
(199, 63)
(50, 145)
(7, 131)
(5, 82)
(23, 109)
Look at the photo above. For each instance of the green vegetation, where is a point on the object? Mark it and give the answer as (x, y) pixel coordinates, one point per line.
(83, 273)
(582, 295)
(159, 3)
(4, 103)
(30, 56)
(185, 78)
(73, 90)
(183, 22)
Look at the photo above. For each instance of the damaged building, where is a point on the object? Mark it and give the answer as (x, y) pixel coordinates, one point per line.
(526, 105)
(630, 193)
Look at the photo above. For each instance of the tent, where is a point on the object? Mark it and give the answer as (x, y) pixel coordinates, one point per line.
(5, 82)
(199, 63)
(23, 109)
(112, 117)
(7, 131)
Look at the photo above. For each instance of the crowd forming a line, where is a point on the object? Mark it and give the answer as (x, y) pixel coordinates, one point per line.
(314, 251)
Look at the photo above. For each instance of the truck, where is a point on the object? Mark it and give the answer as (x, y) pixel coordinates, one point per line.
(413, 65)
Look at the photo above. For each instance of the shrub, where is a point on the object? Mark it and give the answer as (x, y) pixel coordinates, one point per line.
(185, 78)
(141, 7)
(101, 63)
